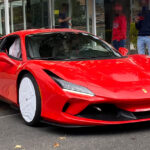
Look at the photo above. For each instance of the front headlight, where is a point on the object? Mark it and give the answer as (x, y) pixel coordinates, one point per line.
(70, 87)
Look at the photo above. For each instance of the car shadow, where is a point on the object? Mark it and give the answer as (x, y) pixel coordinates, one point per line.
(102, 130)
(6, 109)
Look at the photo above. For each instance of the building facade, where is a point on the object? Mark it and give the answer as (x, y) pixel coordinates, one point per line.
(94, 16)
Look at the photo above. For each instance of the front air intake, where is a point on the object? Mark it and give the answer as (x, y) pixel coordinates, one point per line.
(109, 112)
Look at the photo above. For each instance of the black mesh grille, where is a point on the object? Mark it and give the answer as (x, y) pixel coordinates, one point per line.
(108, 112)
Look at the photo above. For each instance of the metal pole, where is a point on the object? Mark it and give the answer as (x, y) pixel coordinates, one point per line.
(131, 9)
(70, 10)
(87, 16)
(7, 25)
(94, 18)
(24, 14)
(1, 20)
(42, 12)
(53, 14)
(50, 13)
(12, 16)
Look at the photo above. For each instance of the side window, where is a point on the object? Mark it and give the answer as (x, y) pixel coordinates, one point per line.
(1, 41)
(1, 44)
(12, 46)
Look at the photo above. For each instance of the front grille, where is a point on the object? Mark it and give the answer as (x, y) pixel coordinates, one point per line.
(109, 112)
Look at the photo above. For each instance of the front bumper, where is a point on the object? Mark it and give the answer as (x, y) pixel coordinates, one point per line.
(77, 111)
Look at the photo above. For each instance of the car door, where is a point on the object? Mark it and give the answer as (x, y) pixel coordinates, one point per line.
(9, 63)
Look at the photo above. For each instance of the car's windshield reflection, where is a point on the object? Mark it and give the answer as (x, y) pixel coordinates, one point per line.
(67, 46)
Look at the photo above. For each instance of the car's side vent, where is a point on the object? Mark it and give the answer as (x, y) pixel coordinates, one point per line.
(51, 73)
(53, 76)
(66, 107)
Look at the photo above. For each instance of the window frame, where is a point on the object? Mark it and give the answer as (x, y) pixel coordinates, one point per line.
(4, 41)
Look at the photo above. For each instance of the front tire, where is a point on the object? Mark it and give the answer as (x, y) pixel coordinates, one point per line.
(29, 100)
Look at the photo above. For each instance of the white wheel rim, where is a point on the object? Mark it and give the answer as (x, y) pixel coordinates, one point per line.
(27, 99)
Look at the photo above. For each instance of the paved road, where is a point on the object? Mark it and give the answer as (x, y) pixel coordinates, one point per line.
(13, 134)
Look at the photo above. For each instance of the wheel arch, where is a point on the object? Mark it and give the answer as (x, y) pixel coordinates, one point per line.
(37, 117)
(20, 76)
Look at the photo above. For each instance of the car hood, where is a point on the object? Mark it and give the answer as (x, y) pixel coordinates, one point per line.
(123, 78)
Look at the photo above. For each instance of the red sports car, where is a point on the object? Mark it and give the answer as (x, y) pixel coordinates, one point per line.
(72, 78)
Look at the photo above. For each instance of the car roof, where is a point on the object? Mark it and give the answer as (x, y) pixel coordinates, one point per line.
(37, 31)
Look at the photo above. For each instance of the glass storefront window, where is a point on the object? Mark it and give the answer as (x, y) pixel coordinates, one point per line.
(100, 18)
(57, 10)
(37, 13)
(27, 14)
(77, 10)
(16, 15)
(79, 15)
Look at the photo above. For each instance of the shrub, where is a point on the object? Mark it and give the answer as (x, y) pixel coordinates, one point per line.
(133, 35)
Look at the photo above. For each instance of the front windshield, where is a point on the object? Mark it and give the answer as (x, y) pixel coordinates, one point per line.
(68, 46)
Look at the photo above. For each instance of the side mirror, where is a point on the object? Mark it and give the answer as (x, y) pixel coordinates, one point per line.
(123, 51)
(4, 58)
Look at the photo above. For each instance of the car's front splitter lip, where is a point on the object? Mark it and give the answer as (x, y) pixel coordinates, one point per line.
(68, 120)
(47, 121)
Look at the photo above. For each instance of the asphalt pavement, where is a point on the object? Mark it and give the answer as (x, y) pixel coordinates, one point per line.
(14, 134)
